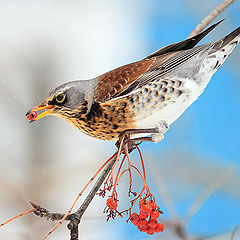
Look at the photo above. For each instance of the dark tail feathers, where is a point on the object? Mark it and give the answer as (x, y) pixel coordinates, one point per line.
(226, 40)
(185, 44)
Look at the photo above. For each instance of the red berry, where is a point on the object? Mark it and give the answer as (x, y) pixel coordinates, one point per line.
(112, 204)
(134, 218)
(147, 202)
(141, 229)
(143, 216)
(150, 231)
(153, 206)
(141, 202)
(152, 223)
(145, 209)
(143, 224)
(31, 116)
(154, 214)
(160, 227)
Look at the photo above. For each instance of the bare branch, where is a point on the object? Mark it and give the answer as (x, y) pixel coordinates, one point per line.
(234, 232)
(210, 17)
(74, 218)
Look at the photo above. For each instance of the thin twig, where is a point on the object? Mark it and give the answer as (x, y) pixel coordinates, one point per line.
(234, 232)
(129, 170)
(76, 217)
(79, 195)
(15, 217)
(210, 17)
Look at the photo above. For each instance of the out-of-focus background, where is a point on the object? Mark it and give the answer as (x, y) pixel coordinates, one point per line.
(193, 173)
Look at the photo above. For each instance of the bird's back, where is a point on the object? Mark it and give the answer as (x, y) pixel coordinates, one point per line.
(165, 96)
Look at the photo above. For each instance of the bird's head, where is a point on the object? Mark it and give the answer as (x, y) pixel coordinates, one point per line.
(66, 101)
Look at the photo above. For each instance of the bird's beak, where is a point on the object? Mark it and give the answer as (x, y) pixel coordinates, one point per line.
(32, 113)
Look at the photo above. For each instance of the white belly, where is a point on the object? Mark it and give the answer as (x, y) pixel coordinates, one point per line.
(194, 76)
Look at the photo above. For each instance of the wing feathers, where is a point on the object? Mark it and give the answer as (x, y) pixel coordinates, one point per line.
(114, 82)
(125, 79)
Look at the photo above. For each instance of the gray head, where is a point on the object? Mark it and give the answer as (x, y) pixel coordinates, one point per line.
(70, 98)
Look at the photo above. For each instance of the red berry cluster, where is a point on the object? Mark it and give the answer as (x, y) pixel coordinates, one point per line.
(147, 209)
(112, 204)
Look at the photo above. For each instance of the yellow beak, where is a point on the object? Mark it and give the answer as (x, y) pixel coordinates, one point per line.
(32, 113)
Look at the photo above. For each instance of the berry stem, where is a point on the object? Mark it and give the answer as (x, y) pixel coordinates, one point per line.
(118, 172)
(129, 170)
(142, 162)
(118, 155)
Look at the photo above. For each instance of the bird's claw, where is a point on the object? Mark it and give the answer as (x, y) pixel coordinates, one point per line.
(161, 128)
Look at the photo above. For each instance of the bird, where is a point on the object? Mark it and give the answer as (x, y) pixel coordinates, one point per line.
(142, 98)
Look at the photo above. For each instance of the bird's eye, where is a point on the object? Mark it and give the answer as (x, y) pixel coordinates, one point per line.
(60, 98)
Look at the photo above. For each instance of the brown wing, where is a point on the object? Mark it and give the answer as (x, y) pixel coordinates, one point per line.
(123, 80)
(112, 83)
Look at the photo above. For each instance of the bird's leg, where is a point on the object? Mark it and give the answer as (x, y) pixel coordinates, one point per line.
(157, 135)
(131, 143)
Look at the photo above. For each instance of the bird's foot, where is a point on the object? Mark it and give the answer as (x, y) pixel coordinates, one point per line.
(161, 128)
(156, 136)
(127, 141)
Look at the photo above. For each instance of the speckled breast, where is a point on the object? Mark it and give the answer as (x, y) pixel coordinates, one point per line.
(109, 119)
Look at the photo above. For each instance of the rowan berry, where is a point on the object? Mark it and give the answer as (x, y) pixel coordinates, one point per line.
(141, 202)
(145, 209)
(153, 205)
(160, 227)
(134, 218)
(143, 216)
(150, 231)
(152, 223)
(141, 229)
(31, 116)
(154, 214)
(143, 224)
(147, 203)
(112, 204)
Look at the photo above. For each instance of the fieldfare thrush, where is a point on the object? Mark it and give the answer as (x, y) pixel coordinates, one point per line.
(143, 97)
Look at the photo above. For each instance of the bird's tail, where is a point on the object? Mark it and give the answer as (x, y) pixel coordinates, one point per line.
(218, 53)
(232, 38)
